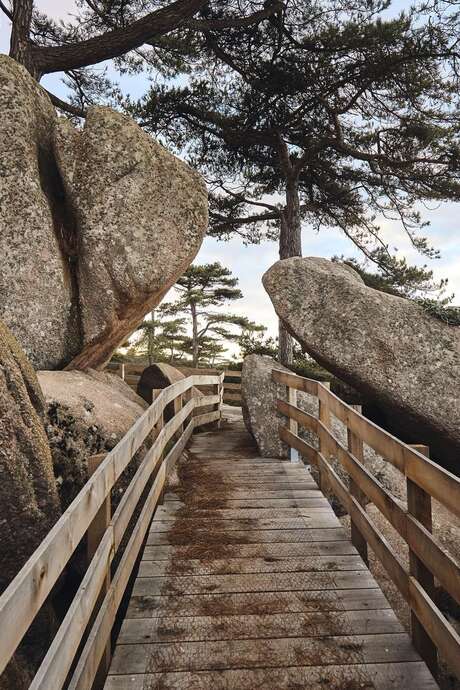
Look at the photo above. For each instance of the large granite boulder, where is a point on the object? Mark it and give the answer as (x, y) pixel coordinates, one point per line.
(87, 414)
(155, 377)
(258, 402)
(36, 291)
(140, 214)
(386, 347)
(95, 225)
(259, 394)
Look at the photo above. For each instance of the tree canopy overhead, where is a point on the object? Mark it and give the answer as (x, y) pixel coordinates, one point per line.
(346, 117)
(320, 115)
(137, 34)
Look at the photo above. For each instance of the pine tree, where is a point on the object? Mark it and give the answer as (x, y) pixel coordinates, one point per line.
(160, 337)
(164, 40)
(203, 292)
(323, 118)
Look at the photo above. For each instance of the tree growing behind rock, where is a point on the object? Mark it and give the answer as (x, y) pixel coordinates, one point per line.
(197, 326)
(318, 117)
(160, 336)
(203, 291)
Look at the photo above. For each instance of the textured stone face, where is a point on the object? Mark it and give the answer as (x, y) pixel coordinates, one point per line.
(386, 347)
(29, 503)
(35, 286)
(95, 225)
(258, 401)
(141, 215)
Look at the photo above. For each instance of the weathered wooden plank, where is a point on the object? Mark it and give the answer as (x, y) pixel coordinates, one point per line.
(231, 604)
(274, 468)
(169, 512)
(376, 541)
(381, 441)
(443, 634)
(419, 506)
(264, 582)
(200, 566)
(191, 525)
(435, 480)
(232, 386)
(304, 448)
(212, 503)
(283, 550)
(254, 536)
(241, 495)
(304, 419)
(59, 657)
(88, 662)
(266, 626)
(217, 655)
(408, 675)
(356, 448)
(206, 418)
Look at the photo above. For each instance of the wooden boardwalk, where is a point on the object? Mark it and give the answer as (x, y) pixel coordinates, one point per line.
(249, 581)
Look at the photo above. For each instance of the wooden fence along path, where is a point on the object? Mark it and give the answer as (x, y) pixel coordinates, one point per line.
(246, 578)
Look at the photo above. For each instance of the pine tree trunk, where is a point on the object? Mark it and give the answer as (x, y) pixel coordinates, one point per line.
(290, 245)
(194, 335)
(20, 46)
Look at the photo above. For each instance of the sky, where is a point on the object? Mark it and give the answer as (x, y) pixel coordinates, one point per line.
(248, 263)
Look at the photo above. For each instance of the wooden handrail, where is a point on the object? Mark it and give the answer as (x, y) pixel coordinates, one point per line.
(431, 631)
(25, 595)
(131, 373)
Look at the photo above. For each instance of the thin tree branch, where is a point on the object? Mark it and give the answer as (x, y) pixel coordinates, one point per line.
(66, 107)
(6, 11)
(116, 42)
(234, 23)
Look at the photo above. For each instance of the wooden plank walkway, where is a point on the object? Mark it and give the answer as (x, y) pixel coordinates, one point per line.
(249, 581)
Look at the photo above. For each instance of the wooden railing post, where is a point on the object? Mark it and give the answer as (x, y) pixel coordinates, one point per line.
(158, 427)
(178, 403)
(94, 535)
(219, 390)
(292, 425)
(419, 506)
(356, 448)
(324, 417)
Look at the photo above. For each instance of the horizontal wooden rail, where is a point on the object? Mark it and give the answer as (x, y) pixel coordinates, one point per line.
(28, 591)
(425, 480)
(131, 374)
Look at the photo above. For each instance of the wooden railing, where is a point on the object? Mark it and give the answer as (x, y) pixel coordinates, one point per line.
(431, 631)
(131, 373)
(84, 628)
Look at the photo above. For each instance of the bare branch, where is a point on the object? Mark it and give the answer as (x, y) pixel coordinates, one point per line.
(6, 11)
(66, 107)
